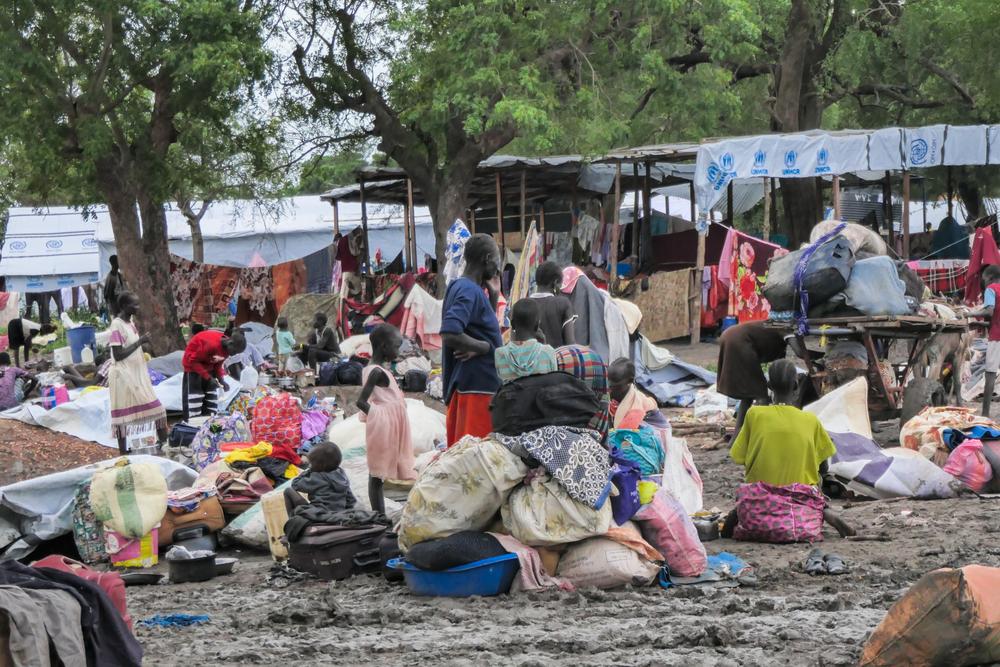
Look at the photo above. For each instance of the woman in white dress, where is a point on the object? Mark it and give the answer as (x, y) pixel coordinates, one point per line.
(134, 406)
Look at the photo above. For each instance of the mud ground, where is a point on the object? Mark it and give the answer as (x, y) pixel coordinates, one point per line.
(788, 618)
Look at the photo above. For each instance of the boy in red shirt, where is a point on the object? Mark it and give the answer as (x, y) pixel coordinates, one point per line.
(203, 370)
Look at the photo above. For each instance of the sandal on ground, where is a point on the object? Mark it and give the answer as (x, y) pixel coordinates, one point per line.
(835, 564)
(815, 563)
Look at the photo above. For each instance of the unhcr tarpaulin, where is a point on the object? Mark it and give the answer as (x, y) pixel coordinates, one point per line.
(50, 248)
(822, 154)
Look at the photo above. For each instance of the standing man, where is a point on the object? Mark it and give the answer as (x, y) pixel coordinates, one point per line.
(114, 285)
(470, 334)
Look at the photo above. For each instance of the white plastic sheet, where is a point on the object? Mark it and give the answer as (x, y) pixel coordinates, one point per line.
(845, 409)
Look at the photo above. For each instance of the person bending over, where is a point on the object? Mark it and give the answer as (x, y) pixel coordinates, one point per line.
(21, 334)
(557, 320)
(742, 350)
(784, 452)
(203, 370)
(383, 410)
(524, 355)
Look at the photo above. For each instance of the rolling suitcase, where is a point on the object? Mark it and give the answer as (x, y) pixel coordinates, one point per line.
(337, 552)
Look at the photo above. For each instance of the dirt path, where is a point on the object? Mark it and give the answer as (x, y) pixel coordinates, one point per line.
(789, 618)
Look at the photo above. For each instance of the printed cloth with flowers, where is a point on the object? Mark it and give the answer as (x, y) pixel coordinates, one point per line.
(743, 266)
(573, 456)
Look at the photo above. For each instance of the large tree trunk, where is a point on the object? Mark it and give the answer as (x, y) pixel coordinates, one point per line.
(447, 203)
(159, 312)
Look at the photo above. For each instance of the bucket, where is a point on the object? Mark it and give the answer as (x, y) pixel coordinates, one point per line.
(729, 322)
(79, 338)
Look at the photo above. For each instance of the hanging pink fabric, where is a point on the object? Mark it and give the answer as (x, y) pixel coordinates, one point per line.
(984, 253)
(743, 267)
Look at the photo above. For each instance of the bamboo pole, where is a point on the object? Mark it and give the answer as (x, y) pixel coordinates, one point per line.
(887, 209)
(730, 215)
(836, 197)
(503, 240)
(366, 262)
(767, 208)
(613, 259)
(645, 243)
(694, 297)
(408, 231)
(906, 215)
(635, 210)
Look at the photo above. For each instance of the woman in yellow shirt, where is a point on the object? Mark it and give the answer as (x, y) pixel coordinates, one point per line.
(784, 451)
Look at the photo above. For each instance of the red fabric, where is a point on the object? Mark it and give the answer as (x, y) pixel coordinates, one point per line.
(278, 421)
(290, 278)
(945, 277)
(716, 305)
(984, 253)
(204, 354)
(110, 582)
(468, 414)
(348, 262)
(280, 451)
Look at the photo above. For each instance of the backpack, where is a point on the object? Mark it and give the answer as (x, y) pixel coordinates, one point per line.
(552, 399)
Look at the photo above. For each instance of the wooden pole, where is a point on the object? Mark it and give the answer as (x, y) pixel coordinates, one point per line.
(336, 216)
(774, 204)
(729, 205)
(646, 244)
(409, 226)
(887, 209)
(524, 197)
(694, 295)
(472, 219)
(906, 215)
(613, 259)
(503, 241)
(366, 260)
(635, 210)
(951, 194)
(541, 228)
(767, 208)
(836, 197)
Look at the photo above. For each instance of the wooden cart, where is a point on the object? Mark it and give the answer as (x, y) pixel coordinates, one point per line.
(925, 355)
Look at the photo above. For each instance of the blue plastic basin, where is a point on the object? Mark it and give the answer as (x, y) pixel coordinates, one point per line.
(490, 576)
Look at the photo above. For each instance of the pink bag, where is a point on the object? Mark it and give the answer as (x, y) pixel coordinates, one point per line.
(968, 465)
(54, 395)
(110, 582)
(779, 514)
(668, 528)
(278, 420)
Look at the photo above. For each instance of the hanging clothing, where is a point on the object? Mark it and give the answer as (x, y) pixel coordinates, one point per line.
(134, 406)
(387, 430)
(520, 359)
(984, 253)
(422, 318)
(531, 257)
(600, 324)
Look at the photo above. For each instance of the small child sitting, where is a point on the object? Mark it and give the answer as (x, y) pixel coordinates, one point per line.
(524, 355)
(630, 406)
(383, 410)
(325, 482)
(284, 342)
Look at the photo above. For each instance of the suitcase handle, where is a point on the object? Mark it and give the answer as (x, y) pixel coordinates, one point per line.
(368, 558)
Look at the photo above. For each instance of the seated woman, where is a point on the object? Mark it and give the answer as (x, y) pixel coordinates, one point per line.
(784, 451)
(15, 383)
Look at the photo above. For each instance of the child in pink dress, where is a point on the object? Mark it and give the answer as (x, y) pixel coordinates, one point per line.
(383, 410)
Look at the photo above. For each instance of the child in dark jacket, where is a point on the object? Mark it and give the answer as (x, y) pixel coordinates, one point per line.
(325, 483)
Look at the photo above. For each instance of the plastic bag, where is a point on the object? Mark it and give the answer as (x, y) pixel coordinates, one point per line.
(826, 272)
(680, 475)
(711, 406)
(668, 528)
(642, 446)
(968, 465)
(541, 513)
(602, 563)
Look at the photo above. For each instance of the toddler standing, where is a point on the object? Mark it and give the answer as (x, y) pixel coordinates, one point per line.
(383, 410)
(284, 341)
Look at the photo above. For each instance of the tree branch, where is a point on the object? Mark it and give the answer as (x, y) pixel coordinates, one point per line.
(950, 78)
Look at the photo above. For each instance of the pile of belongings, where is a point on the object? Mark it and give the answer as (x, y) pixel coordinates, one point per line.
(61, 611)
(965, 445)
(576, 514)
(844, 271)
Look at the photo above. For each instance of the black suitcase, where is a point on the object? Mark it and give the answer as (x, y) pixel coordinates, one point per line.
(182, 435)
(389, 549)
(337, 552)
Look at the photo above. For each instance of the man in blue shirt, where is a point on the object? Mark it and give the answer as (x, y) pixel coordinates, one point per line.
(470, 333)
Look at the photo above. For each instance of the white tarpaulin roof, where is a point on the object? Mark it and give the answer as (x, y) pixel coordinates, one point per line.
(818, 153)
(49, 248)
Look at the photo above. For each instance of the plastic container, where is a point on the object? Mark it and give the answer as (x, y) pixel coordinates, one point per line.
(192, 569)
(225, 566)
(487, 577)
(729, 322)
(62, 357)
(79, 338)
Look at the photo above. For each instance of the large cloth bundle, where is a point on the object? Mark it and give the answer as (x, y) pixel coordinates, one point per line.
(129, 498)
(874, 289)
(461, 489)
(541, 513)
(949, 617)
(536, 401)
(666, 526)
(861, 238)
(278, 420)
(213, 433)
(826, 272)
(925, 433)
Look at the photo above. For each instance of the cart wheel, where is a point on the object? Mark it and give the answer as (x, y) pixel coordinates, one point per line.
(921, 393)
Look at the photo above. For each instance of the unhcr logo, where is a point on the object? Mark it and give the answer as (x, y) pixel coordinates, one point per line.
(17, 246)
(823, 161)
(54, 244)
(791, 157)
(720, 174)
(759, 164)
(88, 243)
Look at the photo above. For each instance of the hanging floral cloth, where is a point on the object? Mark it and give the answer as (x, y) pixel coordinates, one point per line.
(257, 287)
(743, 266)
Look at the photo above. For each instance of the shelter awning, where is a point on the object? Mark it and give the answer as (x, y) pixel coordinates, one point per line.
(50, 248)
